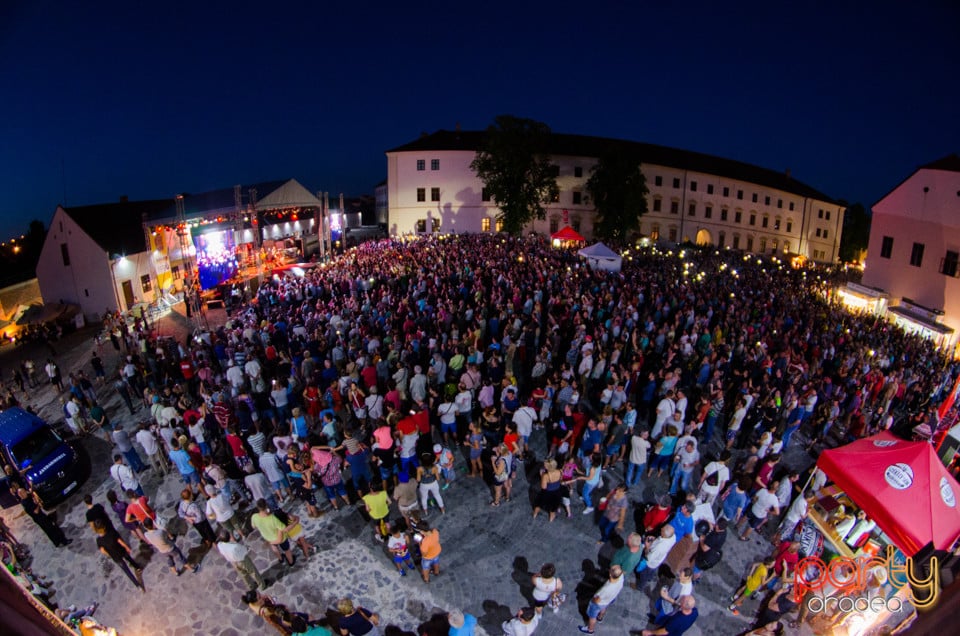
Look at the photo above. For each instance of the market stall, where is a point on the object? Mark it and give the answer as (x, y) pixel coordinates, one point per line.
(890, 501)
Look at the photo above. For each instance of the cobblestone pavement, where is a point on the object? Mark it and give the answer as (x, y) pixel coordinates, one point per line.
(488, 554)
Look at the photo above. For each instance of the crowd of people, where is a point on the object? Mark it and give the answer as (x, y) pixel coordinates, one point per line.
(385, 376)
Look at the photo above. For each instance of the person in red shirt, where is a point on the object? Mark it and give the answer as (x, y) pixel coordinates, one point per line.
(786, 558)
(236, 447)
(657, 515)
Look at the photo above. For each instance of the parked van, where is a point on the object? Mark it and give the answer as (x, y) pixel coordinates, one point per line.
(53, 467)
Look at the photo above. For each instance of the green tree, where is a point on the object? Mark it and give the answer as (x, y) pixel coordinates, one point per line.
(619, 192)
(516, 171)
(856, 233)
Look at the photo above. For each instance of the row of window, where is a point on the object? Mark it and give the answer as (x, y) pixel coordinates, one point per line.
(434, 194)
(755, 197)
(949, 264)
(422, 164)
(724, 214)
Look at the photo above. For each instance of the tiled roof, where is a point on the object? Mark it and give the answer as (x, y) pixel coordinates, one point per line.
(117, 227)
(583, 146)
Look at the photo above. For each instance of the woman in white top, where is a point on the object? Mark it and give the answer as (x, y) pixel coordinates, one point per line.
(545, 584)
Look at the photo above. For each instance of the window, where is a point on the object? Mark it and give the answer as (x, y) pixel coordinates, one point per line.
(554, 224)
(577, 197)
(886, 247)
(789, 225)
(434, 194)
(766, 200)
(556, 197)
(825, 233)
(786, 247)
(754, 197)
(763, 244)
(145, 284)
(434, 164)
(818, 232)
(765, 221)
(790, 206)
(484, 195)
(949, 264)
(779, 203)
(65, 254)
(421, 194)
(676, 182)
(421, 226)
(655, 232)
(485, 224)
(692, 209)
(721, 239)
(693, 186)
(554, 170)
(753, 219)
(421, 164)
(776, 224)
(916, 256)
(86, 293)
(577, 171)
(736, 241)
(774, 243)
(575, 223)
(820, 213)
(726, 192)
(672, 235)
(738, 217)
(708, 212)
(674, 207)
(828, 215)
(749, 243)
(498, 226)
(709, 188)
(740, 194)
(723, 214)
(658, 180)
(657, 204)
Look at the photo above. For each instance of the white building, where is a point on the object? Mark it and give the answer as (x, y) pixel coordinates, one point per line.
(693, 197)
(96, 256)
(914, 250)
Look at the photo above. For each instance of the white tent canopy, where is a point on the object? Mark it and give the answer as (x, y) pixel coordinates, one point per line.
(599, 256)
(290, 195)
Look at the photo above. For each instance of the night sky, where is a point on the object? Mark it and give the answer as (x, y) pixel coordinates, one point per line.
(104, 99)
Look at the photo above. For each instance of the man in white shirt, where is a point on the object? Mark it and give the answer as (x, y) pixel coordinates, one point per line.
(238, 555)
(124, 476)
(797, 512)
(235, 377)
(606, 595)
(219, 508)
(655, 554)
(524, 418)
(715, 477)
(151, 448)
(764, 502)
(665, 410)
(374, 404)
(735, 421)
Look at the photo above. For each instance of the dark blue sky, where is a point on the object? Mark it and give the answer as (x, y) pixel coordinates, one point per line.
(148, 99)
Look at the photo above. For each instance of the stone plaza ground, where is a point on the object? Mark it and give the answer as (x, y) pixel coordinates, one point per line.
(488, 553)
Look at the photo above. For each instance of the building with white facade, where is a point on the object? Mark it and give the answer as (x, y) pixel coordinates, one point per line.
(97, 257)
(914, 250)
(693, 197)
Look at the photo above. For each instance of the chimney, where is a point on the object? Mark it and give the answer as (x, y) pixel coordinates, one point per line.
(787, 172)
(124, 198)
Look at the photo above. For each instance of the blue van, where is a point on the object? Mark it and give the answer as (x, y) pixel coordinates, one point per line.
(52, 466)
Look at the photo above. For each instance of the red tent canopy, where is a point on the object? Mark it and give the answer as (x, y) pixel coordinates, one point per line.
(567, 233)
(902, 486)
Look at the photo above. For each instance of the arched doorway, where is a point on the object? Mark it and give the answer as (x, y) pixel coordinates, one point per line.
(704, 238)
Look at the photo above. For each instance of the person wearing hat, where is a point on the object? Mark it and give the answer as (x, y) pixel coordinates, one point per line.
(461, 624)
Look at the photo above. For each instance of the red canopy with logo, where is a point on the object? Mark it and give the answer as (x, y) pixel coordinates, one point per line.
(902, 486)
(567, 233)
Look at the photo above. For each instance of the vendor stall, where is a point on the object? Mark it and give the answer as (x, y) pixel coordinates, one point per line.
(890, 501)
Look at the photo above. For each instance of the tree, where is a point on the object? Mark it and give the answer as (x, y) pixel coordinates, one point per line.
(856, 233)
(516, 170)
(619, 192)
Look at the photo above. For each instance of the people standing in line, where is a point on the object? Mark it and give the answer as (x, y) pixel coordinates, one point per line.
(125, 477)
(220, 509)
(151, 447)
(119, 509)
(190, 511)
(33, 507)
